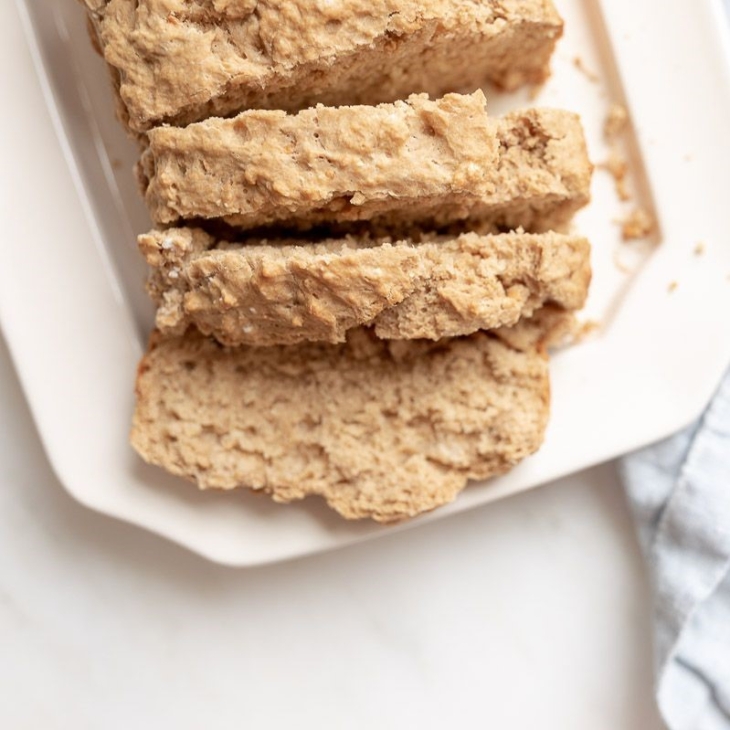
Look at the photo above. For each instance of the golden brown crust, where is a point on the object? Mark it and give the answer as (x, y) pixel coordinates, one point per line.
(179, 61)
(289, 291)
(380, 430)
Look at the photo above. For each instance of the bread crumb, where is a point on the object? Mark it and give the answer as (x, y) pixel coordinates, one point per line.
(535, 91)
(619, 264)
(592, 77)
(569, 332)
(586, 329)
(638, 224)
(699, 249)
(616, 122)
(673, 286)
(116, 163)
(617, 166)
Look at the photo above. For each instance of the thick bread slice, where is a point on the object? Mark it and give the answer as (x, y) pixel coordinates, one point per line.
(416, 162)
(179, 61)
(285, 292)
(385, 430)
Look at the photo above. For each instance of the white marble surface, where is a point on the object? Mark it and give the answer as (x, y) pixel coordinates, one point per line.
(532, 613)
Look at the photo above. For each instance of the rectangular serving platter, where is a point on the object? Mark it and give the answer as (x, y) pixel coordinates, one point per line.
(76, 317)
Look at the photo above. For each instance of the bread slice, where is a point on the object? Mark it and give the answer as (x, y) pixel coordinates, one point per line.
(180, 61)
(265, 167)
(416, 162)
(385, 430)
(286, 292)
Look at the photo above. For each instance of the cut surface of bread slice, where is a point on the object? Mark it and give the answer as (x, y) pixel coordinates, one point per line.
(381, 430)
(419, 162)
(285, 292)
(180, 61)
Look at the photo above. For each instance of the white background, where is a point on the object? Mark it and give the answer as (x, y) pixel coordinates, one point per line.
(532, 613)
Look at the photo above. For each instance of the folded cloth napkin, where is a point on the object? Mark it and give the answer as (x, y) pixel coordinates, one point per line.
(679, 492)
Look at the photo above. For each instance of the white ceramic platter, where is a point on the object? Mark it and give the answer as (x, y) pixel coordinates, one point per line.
(74, 312)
